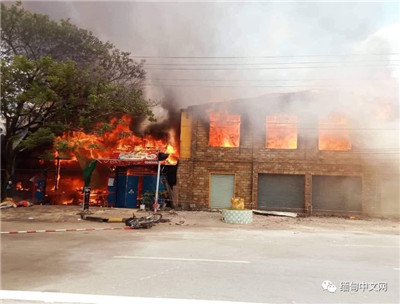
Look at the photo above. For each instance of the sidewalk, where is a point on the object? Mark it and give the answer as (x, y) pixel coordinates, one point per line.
(66, 216)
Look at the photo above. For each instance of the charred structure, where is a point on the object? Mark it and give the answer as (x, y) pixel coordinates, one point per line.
(298, 152)
(309, 152)
(123, 183)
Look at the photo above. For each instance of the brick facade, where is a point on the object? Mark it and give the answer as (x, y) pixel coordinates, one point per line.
(251, 158)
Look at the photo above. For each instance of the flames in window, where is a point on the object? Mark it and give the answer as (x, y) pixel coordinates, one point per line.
(281, 132)
(334, 134)
(224, 129)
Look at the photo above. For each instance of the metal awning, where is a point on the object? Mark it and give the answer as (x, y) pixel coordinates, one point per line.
(114, 162)
(135, 158)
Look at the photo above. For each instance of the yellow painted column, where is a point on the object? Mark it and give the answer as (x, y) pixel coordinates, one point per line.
(186, 135)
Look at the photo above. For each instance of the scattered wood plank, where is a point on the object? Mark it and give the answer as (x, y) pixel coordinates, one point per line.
(94, 219)
(275, 213)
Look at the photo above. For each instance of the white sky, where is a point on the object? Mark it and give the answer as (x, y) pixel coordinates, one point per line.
(247, 30)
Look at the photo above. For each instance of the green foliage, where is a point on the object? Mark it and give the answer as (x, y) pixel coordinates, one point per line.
(47, 155)
(35, 36)
(64, 146)
(72, 78)
(41, 137)
(149, 197)
(57, 77)
(103, 128)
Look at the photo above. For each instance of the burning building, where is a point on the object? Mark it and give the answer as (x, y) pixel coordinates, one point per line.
(308, 152)
(291, 152)
(125, 174)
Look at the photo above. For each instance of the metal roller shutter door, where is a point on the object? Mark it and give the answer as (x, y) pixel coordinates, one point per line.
(221, 190)
(282, 192)
(336, 193)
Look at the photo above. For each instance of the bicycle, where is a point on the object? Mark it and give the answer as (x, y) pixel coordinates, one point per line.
(144, 221)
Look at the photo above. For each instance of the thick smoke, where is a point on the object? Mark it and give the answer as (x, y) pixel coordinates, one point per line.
(238, 38)
(246, 30)
(223, 51)
(170, 121)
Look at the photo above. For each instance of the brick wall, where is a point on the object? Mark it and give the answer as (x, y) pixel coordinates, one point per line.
(252, 158)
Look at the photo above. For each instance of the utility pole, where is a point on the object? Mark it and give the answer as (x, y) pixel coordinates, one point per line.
(161, 157)
(58, 168)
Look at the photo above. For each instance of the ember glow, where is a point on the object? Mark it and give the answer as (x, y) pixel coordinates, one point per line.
(18, 186)
(224, 129)
(281, 132)
(118, 140)
(70, 190)
(112, 140)
(334, 134)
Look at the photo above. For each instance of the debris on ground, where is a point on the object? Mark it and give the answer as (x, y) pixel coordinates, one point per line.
(24, 204)
(84, 212)
(125, 220)
(144, 221)
(8, 202)
(94, 218)
(6, 205)
(115, 220)
(58, 216)
(102, 219)
(275, 213)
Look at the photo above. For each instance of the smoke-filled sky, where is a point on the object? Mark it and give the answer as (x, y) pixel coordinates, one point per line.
(217, 51)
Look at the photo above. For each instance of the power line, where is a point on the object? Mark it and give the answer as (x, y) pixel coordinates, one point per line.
(339, 128)
(225, 86)
(265, 63)
(310, 86)
(271, 56)
(293, 127)
(240, 80)
(272, 68)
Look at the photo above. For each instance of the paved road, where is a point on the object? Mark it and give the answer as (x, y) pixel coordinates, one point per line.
(282, 266)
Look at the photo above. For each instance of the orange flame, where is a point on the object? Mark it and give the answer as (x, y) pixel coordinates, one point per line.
(224, 129)
(281, 132)
(110, 141)
(334, 133)
(120, 139)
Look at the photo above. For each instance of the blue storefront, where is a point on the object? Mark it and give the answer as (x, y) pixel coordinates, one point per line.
(129, 188)
(134, 179)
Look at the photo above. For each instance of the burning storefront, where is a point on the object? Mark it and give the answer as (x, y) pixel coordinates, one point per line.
(137, 179)
(309, 152)
(290, 152)
(131, 168)
(126, 171)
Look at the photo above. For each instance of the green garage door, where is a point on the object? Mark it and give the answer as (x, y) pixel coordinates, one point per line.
(281, 192)
(221, 190)
(336, 193)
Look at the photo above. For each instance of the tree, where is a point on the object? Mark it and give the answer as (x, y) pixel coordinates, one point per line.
(57, 77)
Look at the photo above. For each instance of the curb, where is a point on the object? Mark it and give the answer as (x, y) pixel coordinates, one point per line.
(63, 230)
